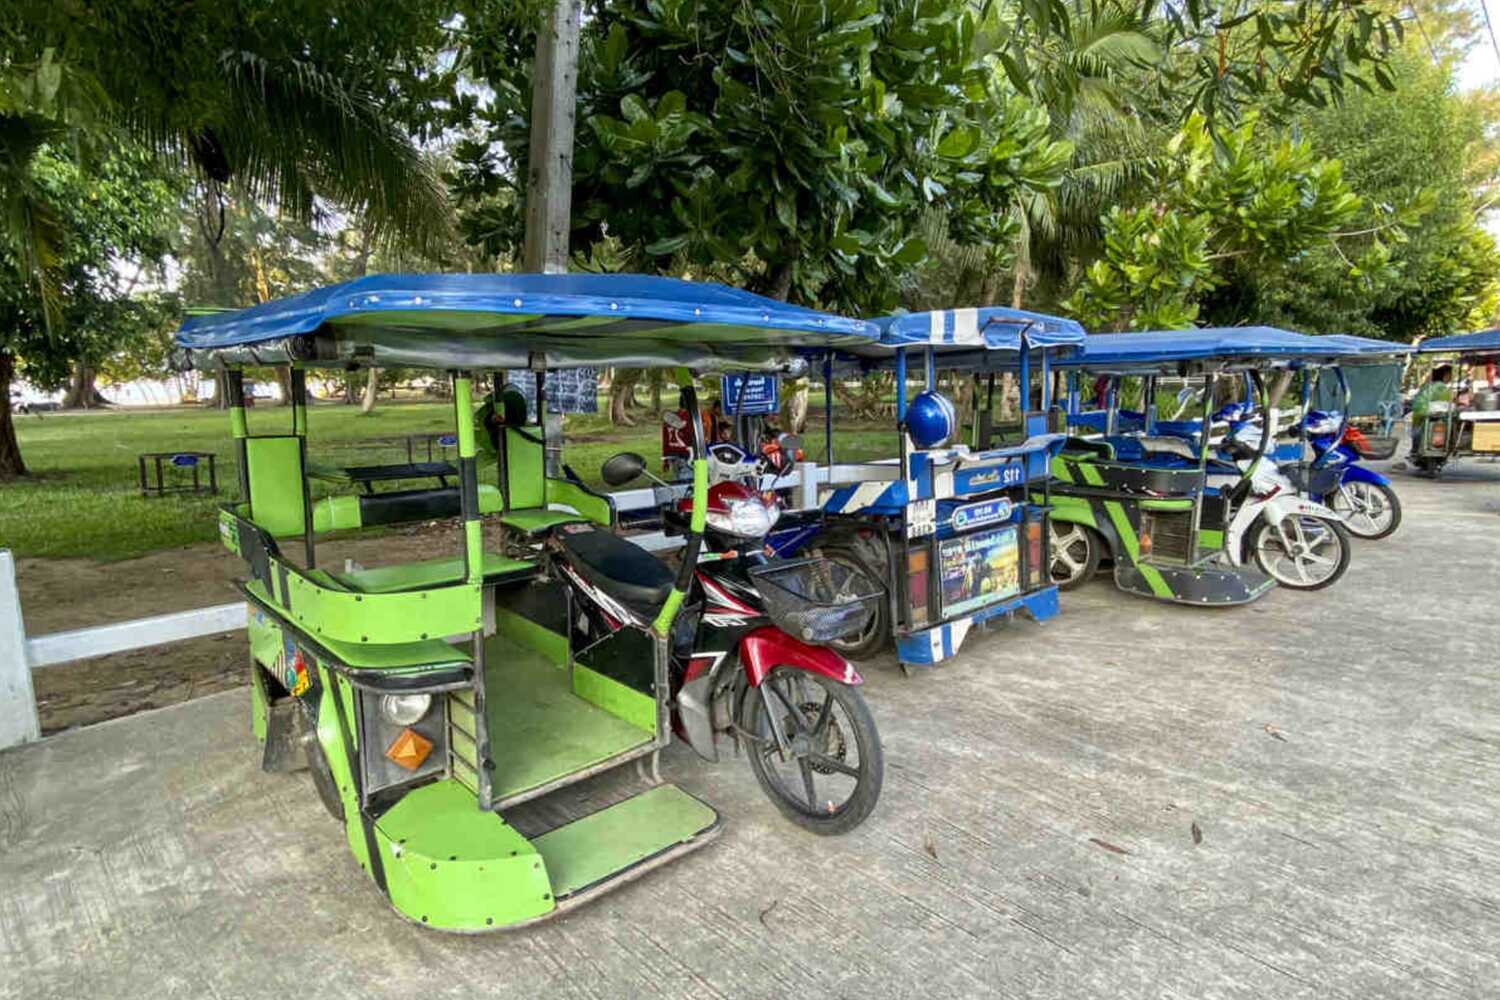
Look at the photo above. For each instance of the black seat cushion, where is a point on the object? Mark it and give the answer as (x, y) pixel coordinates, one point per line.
(626, 572)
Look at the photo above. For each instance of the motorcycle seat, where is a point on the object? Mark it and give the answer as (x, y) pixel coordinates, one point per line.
(620, 569)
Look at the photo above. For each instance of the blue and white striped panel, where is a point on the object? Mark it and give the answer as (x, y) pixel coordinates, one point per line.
(940, 642)
(852, 499)
(954, 326)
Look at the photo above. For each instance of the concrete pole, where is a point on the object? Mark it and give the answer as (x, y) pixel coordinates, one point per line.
(549, 180)
(18, 720)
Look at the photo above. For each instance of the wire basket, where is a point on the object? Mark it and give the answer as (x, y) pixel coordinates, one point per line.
(1377, 448)
(816, 600)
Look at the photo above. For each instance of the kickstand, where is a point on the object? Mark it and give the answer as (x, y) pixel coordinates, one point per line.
(649, 768)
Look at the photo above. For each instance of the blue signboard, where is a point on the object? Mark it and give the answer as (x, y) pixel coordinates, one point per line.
(988, 477)
(976, 515)
(749, 395)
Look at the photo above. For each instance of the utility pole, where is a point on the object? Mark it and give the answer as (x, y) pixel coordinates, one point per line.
(549, 181)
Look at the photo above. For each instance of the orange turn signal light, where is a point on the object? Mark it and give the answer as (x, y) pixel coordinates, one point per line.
(409, 749)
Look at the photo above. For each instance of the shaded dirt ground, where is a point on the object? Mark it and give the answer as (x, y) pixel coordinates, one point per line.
(62, 594)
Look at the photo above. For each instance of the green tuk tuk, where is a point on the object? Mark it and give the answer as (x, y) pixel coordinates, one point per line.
(432, 698)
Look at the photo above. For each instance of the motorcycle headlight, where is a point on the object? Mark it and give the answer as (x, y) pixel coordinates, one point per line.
(405, 709)
(750, 518)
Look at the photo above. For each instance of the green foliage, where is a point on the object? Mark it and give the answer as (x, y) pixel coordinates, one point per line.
(112, 219)
(1423, 264)
(1245, 201)
(790, 147)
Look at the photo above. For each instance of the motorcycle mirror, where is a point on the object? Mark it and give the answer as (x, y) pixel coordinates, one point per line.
(622, 468)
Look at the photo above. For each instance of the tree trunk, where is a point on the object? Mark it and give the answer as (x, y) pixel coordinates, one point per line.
(11, 465)
(367, 404)
(82, 393)
(794, 407)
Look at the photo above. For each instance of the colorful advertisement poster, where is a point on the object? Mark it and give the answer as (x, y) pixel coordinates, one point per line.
(979, 569)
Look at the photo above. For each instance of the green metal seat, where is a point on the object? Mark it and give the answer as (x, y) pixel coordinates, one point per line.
(538, 521)
(431, 573)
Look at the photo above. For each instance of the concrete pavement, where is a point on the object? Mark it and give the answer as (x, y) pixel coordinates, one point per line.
(1296, 799)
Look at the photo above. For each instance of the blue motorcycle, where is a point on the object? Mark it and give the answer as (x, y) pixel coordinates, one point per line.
(1363, 496)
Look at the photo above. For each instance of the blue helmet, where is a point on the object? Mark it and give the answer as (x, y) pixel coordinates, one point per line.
(931, 420)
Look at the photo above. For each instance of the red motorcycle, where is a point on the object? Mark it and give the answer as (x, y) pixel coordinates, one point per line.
(733, 670)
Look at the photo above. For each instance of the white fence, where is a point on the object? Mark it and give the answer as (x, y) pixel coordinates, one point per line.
(21, 654)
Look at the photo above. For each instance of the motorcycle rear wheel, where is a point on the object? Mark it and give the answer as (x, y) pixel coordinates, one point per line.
(823, 732)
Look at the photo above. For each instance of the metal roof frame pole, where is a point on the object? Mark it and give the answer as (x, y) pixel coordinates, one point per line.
(18, 718)
(549, 174)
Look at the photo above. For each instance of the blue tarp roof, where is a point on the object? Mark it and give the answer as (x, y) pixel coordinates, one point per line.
(1246, 344)
(993, 328)
(1483, 342)
(503, 320)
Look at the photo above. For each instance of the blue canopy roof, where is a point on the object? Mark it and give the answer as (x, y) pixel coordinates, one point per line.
(993, 328)
(516, 320)
(1241, 346)
(1482, 342)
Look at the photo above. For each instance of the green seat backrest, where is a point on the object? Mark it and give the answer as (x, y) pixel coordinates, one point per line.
(524, 486)
(274, 468)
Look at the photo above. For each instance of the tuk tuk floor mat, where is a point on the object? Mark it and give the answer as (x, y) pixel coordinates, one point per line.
(540, 731)
(590, 850)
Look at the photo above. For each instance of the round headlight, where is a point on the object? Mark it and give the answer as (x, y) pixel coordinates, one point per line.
(405, 709)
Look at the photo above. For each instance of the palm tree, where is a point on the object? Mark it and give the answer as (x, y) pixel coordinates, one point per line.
(1085, 71)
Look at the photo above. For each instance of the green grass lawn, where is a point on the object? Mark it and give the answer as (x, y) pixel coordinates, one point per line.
(83, 498)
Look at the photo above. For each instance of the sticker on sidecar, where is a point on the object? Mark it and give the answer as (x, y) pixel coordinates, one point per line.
(970, 480)
(976, 515)
(921, 518)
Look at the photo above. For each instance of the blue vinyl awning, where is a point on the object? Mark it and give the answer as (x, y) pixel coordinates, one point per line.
(1480, 342)
(992, 328)
(516, 321)
(1225, 347)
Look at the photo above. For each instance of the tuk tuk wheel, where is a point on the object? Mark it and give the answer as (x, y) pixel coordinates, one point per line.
(1301, 552)
(1076, 551)
(322, 776)
(876, 634)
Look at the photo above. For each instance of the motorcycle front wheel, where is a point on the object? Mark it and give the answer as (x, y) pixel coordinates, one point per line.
(1370, 510)
(829, 780)
(1301, 551)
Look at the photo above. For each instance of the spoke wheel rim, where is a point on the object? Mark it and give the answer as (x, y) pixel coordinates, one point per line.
(1365, 508)
(1300, 552)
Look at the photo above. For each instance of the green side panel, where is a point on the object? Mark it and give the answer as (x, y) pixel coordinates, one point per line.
(409, 655)
(523, 470)
(229, 531)
(431, 573)
(330, 738)
(343, 616)
(623, 702)
(589, 850)
(238, 427)
(1061, 470)
(275, 471)
(1074, 510)
(1210, 539)
(536, 520)
(265, 639)
(336, 514)
(539, 729)
(450, 865)
(489, 499)
(596, 509)
(531, 635)
(1173, 503)
(260, 703)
